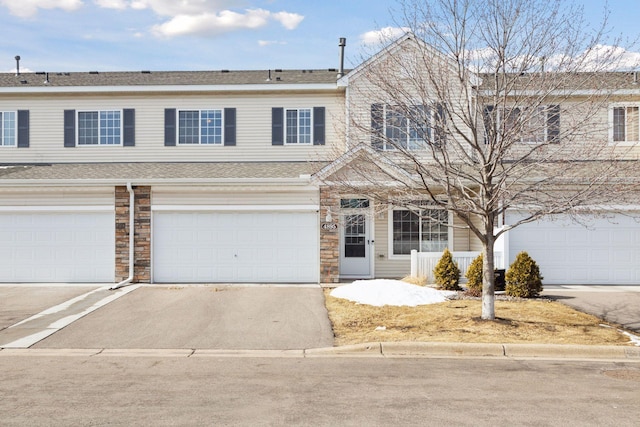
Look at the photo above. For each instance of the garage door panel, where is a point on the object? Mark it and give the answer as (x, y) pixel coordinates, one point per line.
(236, 247)
(606, 251)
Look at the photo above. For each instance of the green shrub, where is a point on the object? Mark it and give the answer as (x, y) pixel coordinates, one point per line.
(474, 277)
(523, 277)
(447, 273)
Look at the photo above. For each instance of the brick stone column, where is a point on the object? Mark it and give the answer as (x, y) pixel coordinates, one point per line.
(329, 238)
(142, 223)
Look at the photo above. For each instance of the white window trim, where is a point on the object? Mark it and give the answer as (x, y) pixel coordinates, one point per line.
(15, 139)
(99, 111)
(293, 144)
(432, 111)
(390, 253)
(545, 124)
(610, 124)
(200, 110)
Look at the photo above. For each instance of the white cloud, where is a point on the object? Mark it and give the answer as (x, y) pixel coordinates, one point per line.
(225, 21)
(382, 36)
(28, 8)
(288, 20)
(112, 4)
(184, 7)
(269, 42)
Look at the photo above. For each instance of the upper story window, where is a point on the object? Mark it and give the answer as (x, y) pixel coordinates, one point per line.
(200, 127)
(533, 125)
(8, 129)
(298, 126)
(214, 126)
(92, 128)
(14, 129)
(426, 231)
(624, 124)
(99, 127)
(408, 128)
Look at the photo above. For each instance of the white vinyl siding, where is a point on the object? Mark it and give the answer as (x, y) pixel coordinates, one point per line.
(253, 127)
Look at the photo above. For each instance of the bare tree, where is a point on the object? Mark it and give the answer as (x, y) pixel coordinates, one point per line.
(486, 106)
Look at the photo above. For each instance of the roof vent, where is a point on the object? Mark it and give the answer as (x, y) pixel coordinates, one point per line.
(24, 82)
(269, 76)
(93, 72)
(342, 43)
(145, 72)
(635, 77)
(278, 70)
(278, 79)
(224, 71)
(17, 58)
(46, 79)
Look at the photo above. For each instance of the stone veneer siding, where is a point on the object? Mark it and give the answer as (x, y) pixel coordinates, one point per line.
(142, 223)
(329, 239)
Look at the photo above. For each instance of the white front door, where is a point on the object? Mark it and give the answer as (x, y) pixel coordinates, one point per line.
(355, 239)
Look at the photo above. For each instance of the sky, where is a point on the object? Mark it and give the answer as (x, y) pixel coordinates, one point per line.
(132, 35)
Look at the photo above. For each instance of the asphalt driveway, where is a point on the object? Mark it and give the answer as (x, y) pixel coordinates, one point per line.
(204, 317)
(616, 304)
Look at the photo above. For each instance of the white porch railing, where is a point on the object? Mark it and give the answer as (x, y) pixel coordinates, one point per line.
(423, 263)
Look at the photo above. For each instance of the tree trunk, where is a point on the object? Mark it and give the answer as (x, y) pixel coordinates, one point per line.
(488, 279)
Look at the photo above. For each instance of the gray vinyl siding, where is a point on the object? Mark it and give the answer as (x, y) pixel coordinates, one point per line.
(57, 196)
(253, 127)
(236, 195)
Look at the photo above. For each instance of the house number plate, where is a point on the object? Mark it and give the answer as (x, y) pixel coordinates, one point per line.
(330, 226)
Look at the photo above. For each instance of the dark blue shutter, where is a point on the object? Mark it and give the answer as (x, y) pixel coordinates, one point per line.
(553, 124)
(69, 128)
(377, 125)
(277, 126)
(23, 128)
(489, 128)
(230, 126)
(129, 127)
(170, 127)
(318, 126)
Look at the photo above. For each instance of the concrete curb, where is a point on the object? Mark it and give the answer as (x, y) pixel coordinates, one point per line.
(369, 350)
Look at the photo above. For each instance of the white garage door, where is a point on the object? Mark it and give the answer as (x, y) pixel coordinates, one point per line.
(605, 252)
(57, 247)
(242, 247)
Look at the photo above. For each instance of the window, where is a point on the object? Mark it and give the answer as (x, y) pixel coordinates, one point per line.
(200, 127)
(8, 129)
(536, 125)
(625, 121)
(426, 231)
(411, 128)
(99, 127)
(298, 126)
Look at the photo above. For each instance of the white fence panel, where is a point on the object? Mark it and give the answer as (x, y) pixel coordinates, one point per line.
(423, 263)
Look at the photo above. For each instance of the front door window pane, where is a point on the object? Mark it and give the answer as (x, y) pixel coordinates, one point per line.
(355, 236)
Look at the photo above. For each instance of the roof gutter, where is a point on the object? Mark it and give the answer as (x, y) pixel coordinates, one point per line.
(301, 180)
(129, 279)
(329, 87)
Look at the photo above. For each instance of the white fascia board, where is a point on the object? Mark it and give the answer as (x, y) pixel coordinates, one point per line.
(157, 181)
(45, 209)
(174, 88)
(568, 92)
(235, 208)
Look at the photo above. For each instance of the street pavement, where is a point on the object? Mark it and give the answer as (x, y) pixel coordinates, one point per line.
(117, 390)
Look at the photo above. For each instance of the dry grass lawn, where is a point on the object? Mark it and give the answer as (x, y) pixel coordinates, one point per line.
(528, 321)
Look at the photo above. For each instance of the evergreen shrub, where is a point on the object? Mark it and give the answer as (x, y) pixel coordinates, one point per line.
(474, 277)
(446, 273)
(523, 278)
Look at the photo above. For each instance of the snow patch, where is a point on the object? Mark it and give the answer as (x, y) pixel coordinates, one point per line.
(382, 292)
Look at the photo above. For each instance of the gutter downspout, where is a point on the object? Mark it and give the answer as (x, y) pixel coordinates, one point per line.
(129, 279)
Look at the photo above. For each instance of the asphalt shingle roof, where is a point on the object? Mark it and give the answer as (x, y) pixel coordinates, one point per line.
(153, 171)
(167, 78)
